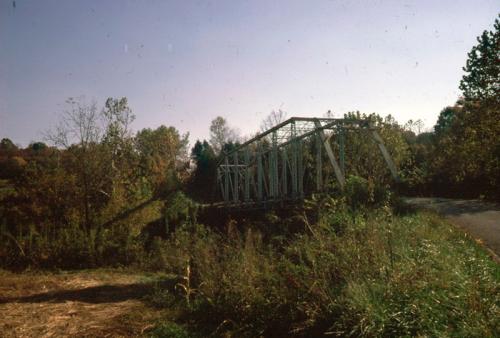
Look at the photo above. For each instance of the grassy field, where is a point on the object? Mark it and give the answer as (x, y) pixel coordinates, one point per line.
(368, 274)
(373, 274)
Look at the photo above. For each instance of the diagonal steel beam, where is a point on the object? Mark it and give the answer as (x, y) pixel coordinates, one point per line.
(336, 168)
(385, 154)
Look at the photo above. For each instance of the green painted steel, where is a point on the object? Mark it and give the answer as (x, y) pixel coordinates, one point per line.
(271, 167)
(247, 175)
(342, 149)
(260, 176)
(331, 156)
(319, 164)
(284, 173)
(236, 180)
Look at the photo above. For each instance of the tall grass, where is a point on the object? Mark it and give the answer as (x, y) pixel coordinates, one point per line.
(370, 273)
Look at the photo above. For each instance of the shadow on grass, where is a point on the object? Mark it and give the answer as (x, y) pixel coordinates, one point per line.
(94, 295)
(402, 208)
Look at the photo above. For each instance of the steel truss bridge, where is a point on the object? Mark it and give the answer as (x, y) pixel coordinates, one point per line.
(270, 168)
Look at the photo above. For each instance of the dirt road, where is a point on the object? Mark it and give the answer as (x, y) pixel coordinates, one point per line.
(480, 219)
(77, 304)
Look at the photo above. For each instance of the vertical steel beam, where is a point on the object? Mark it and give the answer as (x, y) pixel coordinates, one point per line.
(260, 174)
(247, 174)
(274, 167)
(300, 168)
(284, 174)
(226, 180)
(342, 149)
(236, 179)
(270, 171)
(319, 164)
(221, 183)
(252, 172)
(265, 175)
(293, 166)
(253, 184)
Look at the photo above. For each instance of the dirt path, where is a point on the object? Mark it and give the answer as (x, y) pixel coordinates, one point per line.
(82, 304)
(480, 219)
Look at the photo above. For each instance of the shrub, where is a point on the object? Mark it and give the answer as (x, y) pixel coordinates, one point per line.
(357, 192)
(382, 275)
(170, 330)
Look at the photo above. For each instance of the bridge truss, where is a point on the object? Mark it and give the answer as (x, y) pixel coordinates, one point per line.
(270, 167)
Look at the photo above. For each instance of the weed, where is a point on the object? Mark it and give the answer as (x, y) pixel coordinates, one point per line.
(368, 273)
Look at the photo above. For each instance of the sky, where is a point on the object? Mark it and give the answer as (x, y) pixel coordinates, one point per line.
(182, 63)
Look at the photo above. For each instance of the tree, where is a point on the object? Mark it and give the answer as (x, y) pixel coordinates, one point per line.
(414, 126)
(118, 117)
(329, 114)
(363, 158)
(8, 167)
(78, 125)
(6, 145)
(202, 153)
(117, 139)
(482, 78)
(220, 134)
(203, 177)
(465, 157)
(445, 119)
(38, 146)
(79, 132)
(465, 160)
(274, 118)
(163, 155)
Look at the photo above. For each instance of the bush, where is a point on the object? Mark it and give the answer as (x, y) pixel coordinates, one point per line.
(382, 275)
(357, 192)
(361, 193)
(170, 330)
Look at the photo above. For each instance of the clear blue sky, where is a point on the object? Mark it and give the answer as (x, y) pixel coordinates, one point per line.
(182, 63)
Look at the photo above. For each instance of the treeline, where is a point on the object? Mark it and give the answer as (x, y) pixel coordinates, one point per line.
(461, 156)
(101, 195)
(82, 201)
(98, 194)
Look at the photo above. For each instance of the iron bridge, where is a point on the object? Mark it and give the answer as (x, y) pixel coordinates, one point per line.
(269, 168)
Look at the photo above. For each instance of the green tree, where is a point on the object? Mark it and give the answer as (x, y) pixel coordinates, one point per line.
(6, 145)
(163, 158)
(118, 143)
(466, 156)
(9, 159)
(482, 78)
(363, 158)
(79, 132)
(38, 146)
(203, 176)
(446, 116)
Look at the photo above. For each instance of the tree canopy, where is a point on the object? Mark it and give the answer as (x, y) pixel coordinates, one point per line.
(482, 70)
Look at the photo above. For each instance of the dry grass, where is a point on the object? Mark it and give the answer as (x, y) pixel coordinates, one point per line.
(82, 304)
